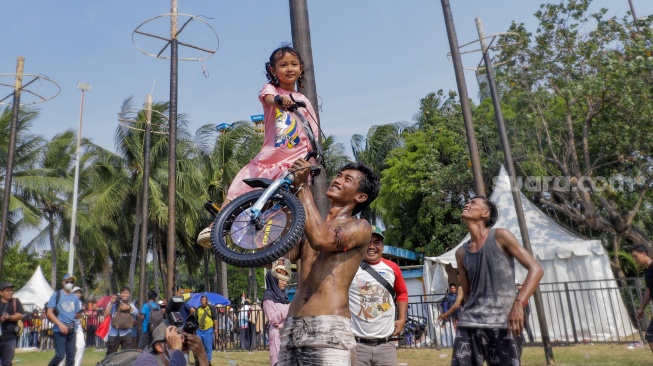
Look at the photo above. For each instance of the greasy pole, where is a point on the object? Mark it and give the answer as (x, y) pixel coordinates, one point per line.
(6, 196)
(301, 37)
(145, 205)
(477, 173)
(505, 144)
(172, 154)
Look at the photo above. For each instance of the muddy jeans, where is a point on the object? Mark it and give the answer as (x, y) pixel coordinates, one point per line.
(317, 340)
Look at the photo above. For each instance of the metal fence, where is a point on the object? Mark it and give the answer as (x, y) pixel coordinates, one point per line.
(234, 332)
(576, 312)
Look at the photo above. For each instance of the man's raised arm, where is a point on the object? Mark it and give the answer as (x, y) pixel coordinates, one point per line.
(332, 237)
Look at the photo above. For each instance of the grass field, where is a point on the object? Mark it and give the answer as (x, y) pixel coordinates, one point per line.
(611, 354)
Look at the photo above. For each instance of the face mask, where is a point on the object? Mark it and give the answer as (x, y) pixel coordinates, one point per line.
(69, 286)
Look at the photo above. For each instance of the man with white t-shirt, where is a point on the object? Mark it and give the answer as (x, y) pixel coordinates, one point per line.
(373, 307)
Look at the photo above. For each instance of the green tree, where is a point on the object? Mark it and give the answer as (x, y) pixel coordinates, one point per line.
(221, 156)
(334, 156)
(22, 263)
(581, 89)
(373, 149)
(427, 180)
(22, 215)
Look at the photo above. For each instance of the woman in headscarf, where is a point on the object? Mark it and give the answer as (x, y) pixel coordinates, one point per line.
(276, 304)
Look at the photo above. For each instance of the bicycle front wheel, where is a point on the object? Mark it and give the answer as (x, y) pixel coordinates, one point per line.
(243, 242)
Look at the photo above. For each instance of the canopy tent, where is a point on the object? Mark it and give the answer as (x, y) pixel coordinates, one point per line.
(577, 282)
(36, 292)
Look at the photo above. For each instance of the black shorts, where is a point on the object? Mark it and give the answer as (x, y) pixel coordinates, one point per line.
(472, 346)
(649, 332)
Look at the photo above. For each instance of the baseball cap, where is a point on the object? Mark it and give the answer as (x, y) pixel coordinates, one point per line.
(68, 276)
(5, 285)
(377, 230)
(76, 288)
(159, 334)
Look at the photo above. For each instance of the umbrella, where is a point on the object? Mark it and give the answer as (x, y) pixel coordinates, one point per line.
(215, 299)
(104, 301)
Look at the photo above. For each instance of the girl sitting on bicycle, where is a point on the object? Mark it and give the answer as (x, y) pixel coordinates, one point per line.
(285, 139)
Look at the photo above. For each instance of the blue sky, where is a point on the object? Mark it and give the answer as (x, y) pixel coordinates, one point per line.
(373, 60)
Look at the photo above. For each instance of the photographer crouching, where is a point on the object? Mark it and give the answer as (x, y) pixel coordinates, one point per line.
(167, 344)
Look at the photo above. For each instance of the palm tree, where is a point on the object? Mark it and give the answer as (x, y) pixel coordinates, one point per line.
(373, 150)
(22, 214)
(334, 156)
(222, 155)
(129, 142)
(49, 195)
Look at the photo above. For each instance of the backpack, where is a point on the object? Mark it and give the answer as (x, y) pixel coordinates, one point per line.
(56, 303)
(156, 317)
(121, 320)
(122, 358)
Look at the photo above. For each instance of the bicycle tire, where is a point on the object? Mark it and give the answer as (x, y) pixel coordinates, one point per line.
(237, 241)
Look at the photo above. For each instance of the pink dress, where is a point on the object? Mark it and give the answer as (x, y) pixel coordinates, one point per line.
(285, 141)
(276, 314)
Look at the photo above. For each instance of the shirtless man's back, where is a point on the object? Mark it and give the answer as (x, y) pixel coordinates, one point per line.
(317, 330)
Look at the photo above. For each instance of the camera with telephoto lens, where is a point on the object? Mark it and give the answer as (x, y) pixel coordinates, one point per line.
(173, 311)
(191, 325)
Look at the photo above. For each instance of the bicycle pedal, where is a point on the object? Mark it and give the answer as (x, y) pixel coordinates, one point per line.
(212, 208)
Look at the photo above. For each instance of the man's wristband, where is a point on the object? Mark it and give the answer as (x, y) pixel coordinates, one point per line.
(519, 301)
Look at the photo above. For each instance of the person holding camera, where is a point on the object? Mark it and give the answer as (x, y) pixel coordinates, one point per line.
(12, 313)
(166, 346)
(207, 319)
(80, 343)
(122, 314)
(62, 308)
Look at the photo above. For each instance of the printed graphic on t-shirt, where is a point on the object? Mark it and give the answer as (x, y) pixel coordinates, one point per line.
(375, 299)
(287, 130)
(68, 306)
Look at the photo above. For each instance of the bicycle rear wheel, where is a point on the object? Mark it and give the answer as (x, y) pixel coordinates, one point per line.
(240, 242)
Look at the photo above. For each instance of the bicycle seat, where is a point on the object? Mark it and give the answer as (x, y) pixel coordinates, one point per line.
(258, 182)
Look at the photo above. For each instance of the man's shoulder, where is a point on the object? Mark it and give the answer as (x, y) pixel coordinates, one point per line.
(390, 264)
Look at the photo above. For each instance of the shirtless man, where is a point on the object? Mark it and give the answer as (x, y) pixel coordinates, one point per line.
(317, 330)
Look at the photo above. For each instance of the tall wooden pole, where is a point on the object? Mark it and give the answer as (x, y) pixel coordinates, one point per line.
(18, 84)
(142, 278)
(477, 173)
(516, 197)
(301, 37)
(172, 154)
(84, 87)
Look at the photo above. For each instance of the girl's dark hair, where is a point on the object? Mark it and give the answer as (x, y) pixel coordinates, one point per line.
(275, 56)
(369, 184)
(494, 211)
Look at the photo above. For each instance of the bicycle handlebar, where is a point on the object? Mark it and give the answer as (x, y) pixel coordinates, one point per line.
(297, 104)
(315, 152)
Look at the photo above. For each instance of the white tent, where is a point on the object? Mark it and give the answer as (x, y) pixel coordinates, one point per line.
(36, 292)
(588, 310)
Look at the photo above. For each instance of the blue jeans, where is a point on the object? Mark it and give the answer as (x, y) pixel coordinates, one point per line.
(7, 350)
(64, 346)
(207, 341)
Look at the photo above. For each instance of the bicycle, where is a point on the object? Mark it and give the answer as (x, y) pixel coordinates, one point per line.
(262, 225)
